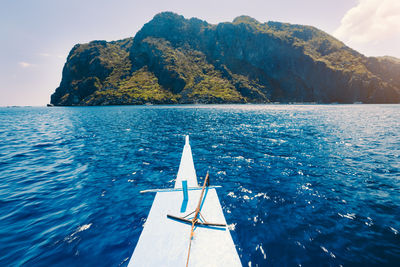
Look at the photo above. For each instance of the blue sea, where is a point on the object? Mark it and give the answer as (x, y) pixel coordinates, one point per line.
(302, 185)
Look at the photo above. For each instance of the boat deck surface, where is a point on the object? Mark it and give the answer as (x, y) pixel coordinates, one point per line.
(165, 241)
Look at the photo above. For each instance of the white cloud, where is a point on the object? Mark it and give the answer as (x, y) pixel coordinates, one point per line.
(373, 21)
(44, 54)
(25, 64)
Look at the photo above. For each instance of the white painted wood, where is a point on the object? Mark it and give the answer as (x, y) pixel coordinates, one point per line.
(186, 167)
(175, 189)
(165, 242)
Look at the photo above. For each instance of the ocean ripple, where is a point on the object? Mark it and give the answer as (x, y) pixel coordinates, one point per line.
(306, 185)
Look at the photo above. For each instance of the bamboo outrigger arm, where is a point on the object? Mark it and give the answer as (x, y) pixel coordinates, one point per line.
(205, 223)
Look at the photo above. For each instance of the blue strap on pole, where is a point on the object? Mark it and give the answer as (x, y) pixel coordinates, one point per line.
(185, 195)
(185, 190)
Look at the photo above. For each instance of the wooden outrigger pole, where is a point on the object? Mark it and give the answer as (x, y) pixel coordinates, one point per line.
(196, 218)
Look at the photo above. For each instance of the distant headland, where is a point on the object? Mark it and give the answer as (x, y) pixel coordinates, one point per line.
(176, 60)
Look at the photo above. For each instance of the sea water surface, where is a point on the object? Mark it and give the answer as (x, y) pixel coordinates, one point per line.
(302, 185)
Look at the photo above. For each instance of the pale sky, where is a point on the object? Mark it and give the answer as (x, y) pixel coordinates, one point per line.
(37, 35)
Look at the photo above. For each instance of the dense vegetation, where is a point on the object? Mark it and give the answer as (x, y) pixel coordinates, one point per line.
(176, 60)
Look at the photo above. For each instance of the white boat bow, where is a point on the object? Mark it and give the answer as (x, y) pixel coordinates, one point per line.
(165, 241)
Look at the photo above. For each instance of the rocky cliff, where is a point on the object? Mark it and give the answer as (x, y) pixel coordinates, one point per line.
(177, 60)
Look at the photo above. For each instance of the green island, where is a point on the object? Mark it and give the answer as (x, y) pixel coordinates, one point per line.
(173, 60)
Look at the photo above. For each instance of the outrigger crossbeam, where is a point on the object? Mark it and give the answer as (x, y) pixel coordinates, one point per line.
(205, 223)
